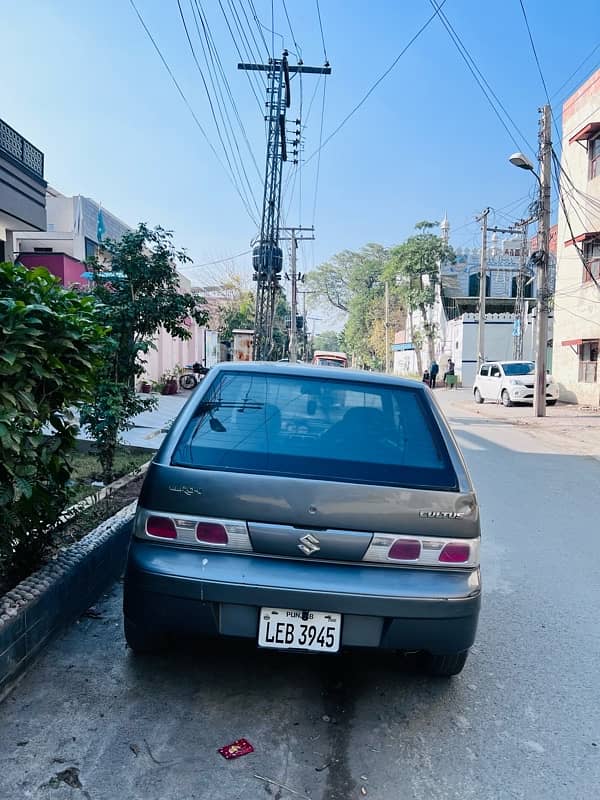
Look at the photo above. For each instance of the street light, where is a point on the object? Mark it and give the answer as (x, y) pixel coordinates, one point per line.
(520, 160)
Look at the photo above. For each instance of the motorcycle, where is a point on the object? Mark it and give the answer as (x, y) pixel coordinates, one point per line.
(194, 374)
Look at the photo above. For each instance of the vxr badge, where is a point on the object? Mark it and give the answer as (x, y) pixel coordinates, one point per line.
(309, 544)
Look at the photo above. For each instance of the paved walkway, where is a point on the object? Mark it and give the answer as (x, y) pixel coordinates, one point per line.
(150, 427)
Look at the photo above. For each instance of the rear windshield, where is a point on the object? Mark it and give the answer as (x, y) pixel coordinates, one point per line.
(330, 362)
(521, 368)
(318, 428)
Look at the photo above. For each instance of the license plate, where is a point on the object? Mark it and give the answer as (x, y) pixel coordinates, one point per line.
(285, 629)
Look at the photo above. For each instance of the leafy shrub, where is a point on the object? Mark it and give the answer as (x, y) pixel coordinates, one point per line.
(136, 286)
(50, 343)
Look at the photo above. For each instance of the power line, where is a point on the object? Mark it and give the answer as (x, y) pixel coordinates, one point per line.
(537, 60)
(314, 214)
(217, 261)
(210, 102)
(382, 77)
(259, 57)
(322, 34)
(249, 54)
(568, 311)
(557, 168)
(213, 70)
(480, 79)
(191, 110)
(296, 45)
(259, 25)
(575, 71)
(213, 50)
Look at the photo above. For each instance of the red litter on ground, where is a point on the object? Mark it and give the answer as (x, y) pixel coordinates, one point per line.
(241, 747)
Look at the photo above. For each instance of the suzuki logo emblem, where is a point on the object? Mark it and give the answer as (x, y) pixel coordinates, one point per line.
(309, 544)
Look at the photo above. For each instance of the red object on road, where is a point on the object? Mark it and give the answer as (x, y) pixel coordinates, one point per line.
(241, 747)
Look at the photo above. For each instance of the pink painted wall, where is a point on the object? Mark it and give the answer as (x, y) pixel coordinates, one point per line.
(173, 352)
(169, 353)
(66, 268)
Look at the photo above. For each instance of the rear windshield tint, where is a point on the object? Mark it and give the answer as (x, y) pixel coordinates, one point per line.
(318, 428)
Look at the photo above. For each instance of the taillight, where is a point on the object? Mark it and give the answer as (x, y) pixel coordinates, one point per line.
(211, 533)
(454, 553)
(422, 551)
(187, 530)
(163, 527)
(405, 550)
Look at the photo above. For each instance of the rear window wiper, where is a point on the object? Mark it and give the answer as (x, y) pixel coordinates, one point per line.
(211, 405)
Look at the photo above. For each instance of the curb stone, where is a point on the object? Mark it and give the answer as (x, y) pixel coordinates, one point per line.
(44, 603)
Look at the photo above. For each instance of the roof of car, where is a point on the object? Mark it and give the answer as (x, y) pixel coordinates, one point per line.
(509, 361)
(308, 370)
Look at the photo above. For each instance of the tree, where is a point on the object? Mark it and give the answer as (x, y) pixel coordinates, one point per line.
(136, 286)
(50, 348)
(327, 340)
(414, 267)
(366, 310)
(330, 281)
(238, 313)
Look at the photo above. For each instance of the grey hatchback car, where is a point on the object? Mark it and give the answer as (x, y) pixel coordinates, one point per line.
(309, 509)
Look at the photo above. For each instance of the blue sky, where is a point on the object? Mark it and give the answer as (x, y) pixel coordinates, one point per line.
(82, 81)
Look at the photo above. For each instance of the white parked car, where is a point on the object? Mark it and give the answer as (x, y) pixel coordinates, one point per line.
(510, 382)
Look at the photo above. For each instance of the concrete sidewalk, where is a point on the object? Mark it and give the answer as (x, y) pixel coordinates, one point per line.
(576, 429)
(150, 427)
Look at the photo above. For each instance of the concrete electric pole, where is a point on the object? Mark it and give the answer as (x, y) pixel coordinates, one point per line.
(539, 398)
(482, 289)
(294, 239)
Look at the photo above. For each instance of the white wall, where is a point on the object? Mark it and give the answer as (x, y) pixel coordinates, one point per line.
(498, 344)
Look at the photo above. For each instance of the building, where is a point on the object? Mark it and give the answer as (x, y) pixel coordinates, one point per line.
(577, 296)
(22, 189)
(70, 236)
(455, 312)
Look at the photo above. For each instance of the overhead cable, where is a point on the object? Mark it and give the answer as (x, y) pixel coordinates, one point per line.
(382, 77)
(321, 28)
(192, 112)
(481, 80)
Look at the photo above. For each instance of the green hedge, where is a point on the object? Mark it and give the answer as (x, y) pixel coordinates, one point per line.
(50, 344)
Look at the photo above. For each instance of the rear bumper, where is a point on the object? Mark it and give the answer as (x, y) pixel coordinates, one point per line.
(208, 593)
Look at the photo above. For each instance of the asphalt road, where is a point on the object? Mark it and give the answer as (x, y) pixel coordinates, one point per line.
(522, 721)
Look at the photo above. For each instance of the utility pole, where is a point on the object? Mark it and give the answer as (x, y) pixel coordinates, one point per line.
(267, 256)
(545, 157)
(482, 288)
(294, 239)
(520, 304)
(387, 328)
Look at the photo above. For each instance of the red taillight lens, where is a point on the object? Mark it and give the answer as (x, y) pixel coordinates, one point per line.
(405, 550)
(211, 533)
(162, 527)
(455, 553)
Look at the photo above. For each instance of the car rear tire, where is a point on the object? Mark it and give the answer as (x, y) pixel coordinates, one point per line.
(550, 402)
(506, 401)
(142, 640)
(477, 396)
(444, 666)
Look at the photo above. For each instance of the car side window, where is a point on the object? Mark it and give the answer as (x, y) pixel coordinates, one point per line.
(495, 371)
(484, 371)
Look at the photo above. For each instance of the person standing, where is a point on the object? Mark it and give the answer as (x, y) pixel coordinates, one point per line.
(433, 373)
(449, 372)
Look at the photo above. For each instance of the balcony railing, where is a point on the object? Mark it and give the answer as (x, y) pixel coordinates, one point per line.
(19, 148)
